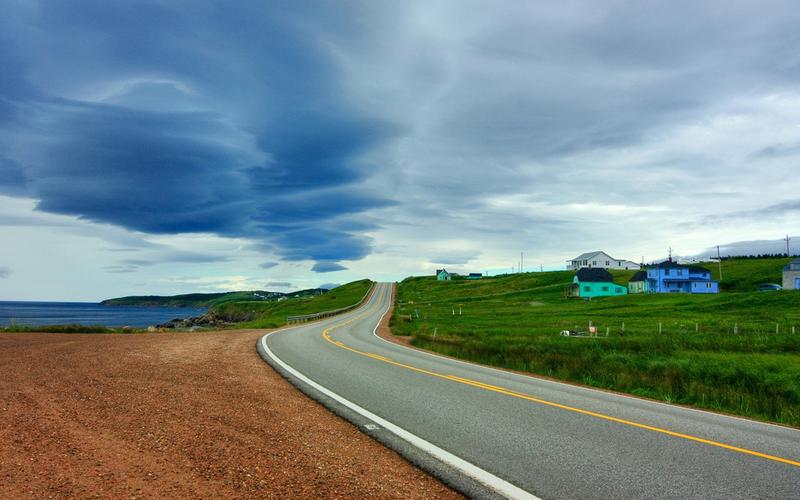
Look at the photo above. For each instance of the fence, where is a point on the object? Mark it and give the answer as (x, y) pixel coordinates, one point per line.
(324, 314)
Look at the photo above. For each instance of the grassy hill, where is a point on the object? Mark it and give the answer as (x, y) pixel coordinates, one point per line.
(260, 314)
(514, 321)
(206, 299)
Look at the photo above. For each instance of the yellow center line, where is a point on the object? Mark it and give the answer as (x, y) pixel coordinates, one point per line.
(326, 334)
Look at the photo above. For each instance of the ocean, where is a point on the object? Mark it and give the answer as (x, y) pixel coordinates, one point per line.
(89, 314)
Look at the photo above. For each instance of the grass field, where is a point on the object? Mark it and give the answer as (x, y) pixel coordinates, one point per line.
(514, 321)
(272, 314)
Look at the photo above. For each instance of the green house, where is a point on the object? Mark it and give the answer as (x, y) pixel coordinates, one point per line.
(639, 283)
(594, 282)
(443, 275)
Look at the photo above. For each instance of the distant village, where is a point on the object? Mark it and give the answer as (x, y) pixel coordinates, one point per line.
(593, 279)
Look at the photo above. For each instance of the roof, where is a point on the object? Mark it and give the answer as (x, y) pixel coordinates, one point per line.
(669, 264)
(793, 265)
(475, 274)
(594, 275)
(588, 255)
(639, 276)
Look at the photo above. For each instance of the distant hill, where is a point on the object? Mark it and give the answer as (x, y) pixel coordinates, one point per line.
(208, 299)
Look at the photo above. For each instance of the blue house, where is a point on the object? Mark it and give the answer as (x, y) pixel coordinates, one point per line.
(671, 277)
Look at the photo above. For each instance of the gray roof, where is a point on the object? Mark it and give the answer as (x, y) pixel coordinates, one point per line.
(587, 255)
(594, 275)
(793, 265)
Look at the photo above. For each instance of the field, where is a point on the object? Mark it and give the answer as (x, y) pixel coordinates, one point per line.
(270, 314)
(720, 352)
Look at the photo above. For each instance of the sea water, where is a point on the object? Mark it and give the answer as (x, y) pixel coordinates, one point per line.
(89, 314)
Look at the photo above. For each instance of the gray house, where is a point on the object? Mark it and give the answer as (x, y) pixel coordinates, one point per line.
(791, 275)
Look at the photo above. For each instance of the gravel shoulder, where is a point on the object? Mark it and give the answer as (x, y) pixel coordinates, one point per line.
(177, 415)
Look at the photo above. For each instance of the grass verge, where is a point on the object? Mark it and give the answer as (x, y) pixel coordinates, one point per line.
(733, 352)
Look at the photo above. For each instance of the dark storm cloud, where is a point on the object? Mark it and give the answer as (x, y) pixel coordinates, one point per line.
(277, 284)
(120, 269)
(212, 120)
(785, 208)
(4, 272)
(327, 267)
(300, 124)
(778, 151)
(267, 265)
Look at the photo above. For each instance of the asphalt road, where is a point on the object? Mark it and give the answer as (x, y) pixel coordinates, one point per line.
(548, 439)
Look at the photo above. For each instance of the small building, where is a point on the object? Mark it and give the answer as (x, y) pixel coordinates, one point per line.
(474, 276)
(791, 275)
(638, 283)
(671, 277)
(443, 275)
(594, 282)
(599, 259)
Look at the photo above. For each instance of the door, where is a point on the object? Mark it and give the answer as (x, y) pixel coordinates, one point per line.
(797, 283)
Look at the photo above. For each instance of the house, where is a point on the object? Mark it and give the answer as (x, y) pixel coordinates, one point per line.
(599, 259)
(791, 275)
(443, 275)
(638, 283)
(474, 276)
(671, 277)
(594, 282)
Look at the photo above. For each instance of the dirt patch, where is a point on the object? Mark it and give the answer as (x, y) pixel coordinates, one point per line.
(177, 415)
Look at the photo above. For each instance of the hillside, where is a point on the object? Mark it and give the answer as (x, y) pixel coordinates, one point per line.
(515, 321)
(270, 314)
(206, 299)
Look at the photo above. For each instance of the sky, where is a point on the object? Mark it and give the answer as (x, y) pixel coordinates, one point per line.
(163, 147)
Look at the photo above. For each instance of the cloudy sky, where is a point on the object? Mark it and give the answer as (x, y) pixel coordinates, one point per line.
(169, 146)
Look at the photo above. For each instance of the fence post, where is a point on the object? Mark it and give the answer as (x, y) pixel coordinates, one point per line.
(777, 328)
(696, 327)
(736, 328)
(659, 328)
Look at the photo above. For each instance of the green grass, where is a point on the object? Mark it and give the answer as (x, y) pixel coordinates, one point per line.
(273, 314)
(514, 321)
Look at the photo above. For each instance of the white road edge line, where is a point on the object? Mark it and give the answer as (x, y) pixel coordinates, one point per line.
(582, 387)
(487, 478)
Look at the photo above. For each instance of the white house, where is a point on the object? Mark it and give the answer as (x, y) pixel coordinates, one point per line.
(599, 259)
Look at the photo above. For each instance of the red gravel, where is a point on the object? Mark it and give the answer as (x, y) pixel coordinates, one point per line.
(177, 415)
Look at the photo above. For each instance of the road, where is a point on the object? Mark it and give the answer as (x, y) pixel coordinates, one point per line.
(522, 435)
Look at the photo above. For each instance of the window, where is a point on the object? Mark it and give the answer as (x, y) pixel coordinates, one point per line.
(666, 272)
(605, 288)
(607, 263)
(594, 262)
(587, 288)
(708, 285)
(680, 272)
(694, 285)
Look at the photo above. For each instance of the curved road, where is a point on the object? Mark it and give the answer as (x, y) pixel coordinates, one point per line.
(525, 436)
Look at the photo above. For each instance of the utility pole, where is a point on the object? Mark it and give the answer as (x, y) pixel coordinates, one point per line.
(521, 262)
(787, 246)
(719, 261)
